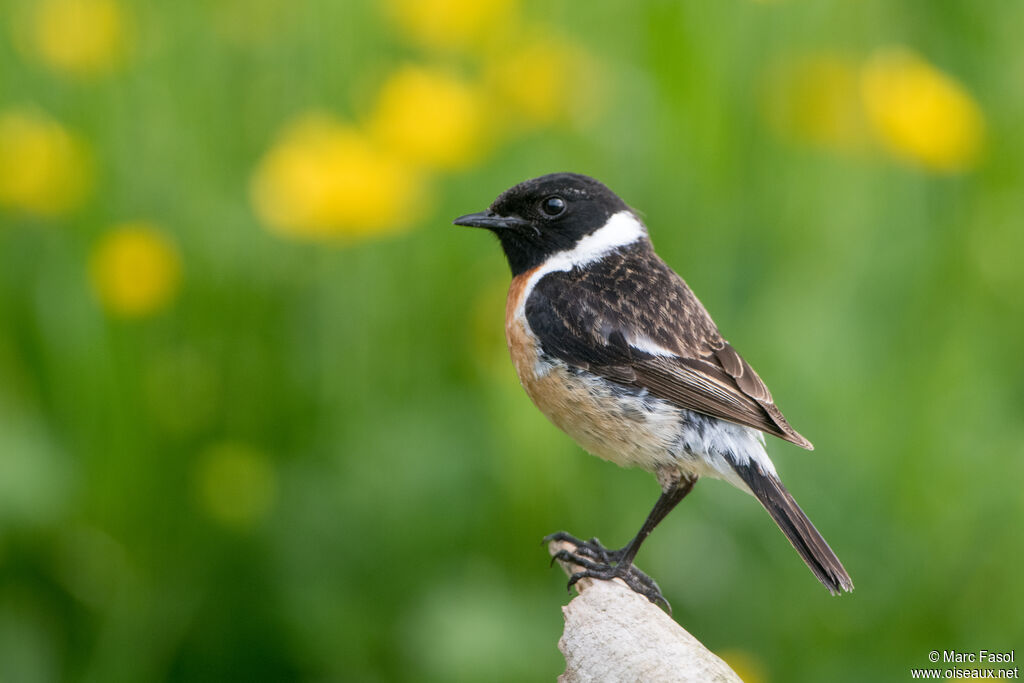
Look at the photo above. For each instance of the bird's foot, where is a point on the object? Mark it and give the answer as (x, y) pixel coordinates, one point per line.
(599, 562)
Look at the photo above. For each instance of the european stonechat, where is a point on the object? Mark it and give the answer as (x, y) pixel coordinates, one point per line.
(614, 348)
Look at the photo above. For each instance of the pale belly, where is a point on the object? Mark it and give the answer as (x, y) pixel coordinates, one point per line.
(628, 426)
(622, 425)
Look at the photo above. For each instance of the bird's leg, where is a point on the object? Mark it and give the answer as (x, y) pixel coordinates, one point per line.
(600, 563)
(666, 502)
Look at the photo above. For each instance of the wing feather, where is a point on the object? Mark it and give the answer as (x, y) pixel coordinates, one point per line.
(586, 318)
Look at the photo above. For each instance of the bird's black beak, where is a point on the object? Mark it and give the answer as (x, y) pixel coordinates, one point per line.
(491, 221)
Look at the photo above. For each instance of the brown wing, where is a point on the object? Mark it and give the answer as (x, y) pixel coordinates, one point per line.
(631, 319)
(710, 389)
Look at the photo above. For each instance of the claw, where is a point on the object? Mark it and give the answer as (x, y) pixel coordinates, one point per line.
(573, 558)
(563, 536)
(600, 563)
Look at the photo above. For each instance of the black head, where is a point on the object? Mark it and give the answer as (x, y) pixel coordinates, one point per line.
(546, 215)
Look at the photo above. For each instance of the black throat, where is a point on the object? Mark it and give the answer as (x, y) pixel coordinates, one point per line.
(525, 251)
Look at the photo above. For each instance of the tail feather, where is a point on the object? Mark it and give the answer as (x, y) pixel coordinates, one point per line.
(798, 529)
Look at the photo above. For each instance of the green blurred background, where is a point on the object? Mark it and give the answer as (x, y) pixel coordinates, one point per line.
(257, 421)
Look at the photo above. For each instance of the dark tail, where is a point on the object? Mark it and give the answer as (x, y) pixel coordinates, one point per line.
(798, 529)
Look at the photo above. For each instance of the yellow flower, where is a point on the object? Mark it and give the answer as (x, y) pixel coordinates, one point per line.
(324, 179)
(79, 37)
(919, 113)
(540, 81)
(747, 666)
(236, 484)
(430, 118)
(43, 168)
(453, 25)
(815, 99)
(135, 270)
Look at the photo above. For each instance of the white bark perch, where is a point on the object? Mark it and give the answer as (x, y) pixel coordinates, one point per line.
(614, 634)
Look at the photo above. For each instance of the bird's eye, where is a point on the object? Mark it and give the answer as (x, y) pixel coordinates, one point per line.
(553, 206)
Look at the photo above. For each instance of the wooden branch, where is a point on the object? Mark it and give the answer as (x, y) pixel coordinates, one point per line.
(614, 634)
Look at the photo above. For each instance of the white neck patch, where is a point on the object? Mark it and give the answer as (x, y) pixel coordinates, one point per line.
(621, 229)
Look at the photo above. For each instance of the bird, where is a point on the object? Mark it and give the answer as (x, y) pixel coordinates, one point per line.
(617, 351)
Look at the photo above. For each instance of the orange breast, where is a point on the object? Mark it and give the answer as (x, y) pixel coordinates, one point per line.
(522, 346)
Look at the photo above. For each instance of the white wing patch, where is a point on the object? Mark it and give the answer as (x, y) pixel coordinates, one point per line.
(648, 345)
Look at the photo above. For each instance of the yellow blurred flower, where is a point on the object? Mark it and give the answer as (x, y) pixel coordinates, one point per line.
(324, 179)
(919, 113)
(747, 666)
(235, 484)
(431, 118)
(44, 169)
(135, 270)
(816, 99)
(78, 37)
(453, 25)
(541, 81)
